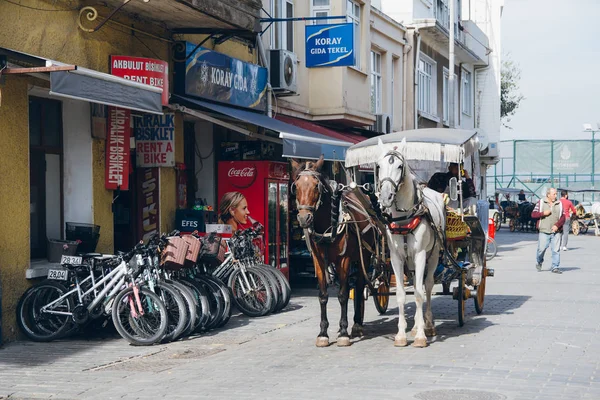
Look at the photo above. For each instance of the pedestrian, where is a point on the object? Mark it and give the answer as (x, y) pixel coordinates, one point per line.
(569, 210)
(551, 220)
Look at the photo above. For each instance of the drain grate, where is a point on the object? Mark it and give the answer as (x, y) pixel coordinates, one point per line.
(459, 394)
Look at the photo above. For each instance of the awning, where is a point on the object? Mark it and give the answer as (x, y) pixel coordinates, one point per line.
(89, 85)
(297, 142)
(311, 126)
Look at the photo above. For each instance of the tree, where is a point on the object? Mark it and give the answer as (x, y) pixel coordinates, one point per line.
(510, 98)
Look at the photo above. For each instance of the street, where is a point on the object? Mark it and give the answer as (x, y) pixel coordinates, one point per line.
(537, 339)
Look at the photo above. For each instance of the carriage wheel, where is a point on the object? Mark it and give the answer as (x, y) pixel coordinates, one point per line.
(461, 299)
(382, 299)
(583, 228)
(481, 291)
(575, 228)
(497, 222)
(511, 225)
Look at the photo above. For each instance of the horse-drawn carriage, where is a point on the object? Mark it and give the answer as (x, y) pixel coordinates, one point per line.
(516, 213)
(583, 219)
(401, 221)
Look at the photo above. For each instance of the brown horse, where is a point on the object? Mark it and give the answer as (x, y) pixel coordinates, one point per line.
(314, 203)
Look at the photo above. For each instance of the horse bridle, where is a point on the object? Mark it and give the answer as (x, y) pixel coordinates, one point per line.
(393, 154)
(320, 187)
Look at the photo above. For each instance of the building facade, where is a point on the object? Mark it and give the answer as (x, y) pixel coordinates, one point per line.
(366, 95)
(477, 49)
(54, 123)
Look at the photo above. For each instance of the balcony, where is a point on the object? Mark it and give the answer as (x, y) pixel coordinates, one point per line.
(471, 43)
(442, 16)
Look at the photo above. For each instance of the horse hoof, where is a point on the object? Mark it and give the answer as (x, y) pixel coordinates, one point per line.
(420, 342)
(357, 331)
(400, 342)
(430, 332)
(322, 341)
(343, 341)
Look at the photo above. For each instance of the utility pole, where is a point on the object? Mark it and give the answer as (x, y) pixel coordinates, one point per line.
(451, 83)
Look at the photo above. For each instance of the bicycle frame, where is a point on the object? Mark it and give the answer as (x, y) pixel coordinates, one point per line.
(114, 282)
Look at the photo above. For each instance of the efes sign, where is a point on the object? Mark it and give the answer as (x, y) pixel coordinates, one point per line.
(330, 45)
(207, 74)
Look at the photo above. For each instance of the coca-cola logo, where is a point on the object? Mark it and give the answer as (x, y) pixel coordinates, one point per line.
(242, 177)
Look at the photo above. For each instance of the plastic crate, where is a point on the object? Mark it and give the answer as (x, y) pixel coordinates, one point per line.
(88, 234)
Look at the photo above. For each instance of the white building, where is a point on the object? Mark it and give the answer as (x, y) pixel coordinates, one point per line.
(477, 51)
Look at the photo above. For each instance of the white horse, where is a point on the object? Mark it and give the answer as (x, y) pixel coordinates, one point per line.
(420, 248)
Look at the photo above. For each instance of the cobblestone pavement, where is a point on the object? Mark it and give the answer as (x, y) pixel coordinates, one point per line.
(537, 339)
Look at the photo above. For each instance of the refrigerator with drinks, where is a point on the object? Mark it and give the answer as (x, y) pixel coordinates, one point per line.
(265, 184)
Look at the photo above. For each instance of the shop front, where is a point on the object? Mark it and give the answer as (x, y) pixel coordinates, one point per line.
(238, 147)
(54, 163)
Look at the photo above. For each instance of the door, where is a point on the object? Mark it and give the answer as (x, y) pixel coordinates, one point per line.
(37, 203)
(45, 173)
(277, 225)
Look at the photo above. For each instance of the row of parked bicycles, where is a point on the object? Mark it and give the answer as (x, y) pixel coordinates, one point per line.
(158, 292)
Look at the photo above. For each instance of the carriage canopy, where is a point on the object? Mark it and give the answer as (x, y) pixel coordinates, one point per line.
(435, 144)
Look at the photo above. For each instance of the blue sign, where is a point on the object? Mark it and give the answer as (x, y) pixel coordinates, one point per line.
(330, 45)
(215, 76)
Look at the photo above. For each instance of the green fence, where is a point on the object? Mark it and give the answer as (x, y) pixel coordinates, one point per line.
(535, 165)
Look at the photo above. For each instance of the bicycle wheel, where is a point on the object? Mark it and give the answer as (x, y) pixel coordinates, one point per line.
(215, 301)
(491, 249)
(284, 286)
(42, 326)
(251, 293)
(202, 298)
(192, 305)
(140, 327)
(274, 287)
(226, 293)
(176, 310)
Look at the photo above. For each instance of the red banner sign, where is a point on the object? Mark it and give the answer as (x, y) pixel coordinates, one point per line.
(148, 202)
(143, 70)
(117, 149)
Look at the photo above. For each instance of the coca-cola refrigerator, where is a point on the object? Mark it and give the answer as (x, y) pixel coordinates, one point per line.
(265, 184)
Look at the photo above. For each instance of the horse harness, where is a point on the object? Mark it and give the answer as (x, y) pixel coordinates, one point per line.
(407, 223)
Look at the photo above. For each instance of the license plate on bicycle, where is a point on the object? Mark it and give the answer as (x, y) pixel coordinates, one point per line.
(58, 274)
(72, 260)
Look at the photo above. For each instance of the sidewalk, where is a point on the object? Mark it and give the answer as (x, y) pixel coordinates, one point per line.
(537, 338)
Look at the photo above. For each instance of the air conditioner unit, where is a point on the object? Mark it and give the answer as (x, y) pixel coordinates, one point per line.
(383, 123)
(491, 151)
(283, 73)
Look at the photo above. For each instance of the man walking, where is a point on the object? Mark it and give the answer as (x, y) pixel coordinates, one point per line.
(552, 219)
(569, 210)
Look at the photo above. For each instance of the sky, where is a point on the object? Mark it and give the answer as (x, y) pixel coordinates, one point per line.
(557, 47)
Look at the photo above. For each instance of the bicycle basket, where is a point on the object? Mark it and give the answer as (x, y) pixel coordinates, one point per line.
(193, 249)
(211, 247)
(173, 256)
